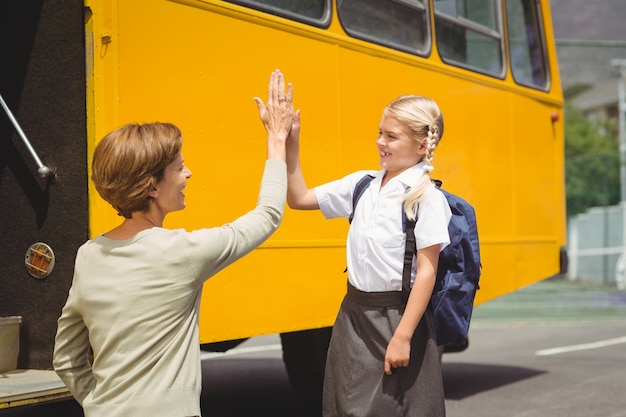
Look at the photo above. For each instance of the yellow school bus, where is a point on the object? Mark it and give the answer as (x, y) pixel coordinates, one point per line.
(490, 64)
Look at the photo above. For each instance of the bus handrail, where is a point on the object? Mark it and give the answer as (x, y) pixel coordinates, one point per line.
(42, 169)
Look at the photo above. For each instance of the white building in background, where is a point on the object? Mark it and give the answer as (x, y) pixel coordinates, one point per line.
(600, 101)
(595, 246)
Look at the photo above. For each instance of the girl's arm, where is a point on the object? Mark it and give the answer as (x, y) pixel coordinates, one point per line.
(298, 195)
(399, 347)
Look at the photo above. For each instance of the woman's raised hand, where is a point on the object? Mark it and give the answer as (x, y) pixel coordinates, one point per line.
(277, 116)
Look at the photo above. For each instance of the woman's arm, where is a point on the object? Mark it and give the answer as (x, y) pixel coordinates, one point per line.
(399, 347)
(71, 352)
(216, 248)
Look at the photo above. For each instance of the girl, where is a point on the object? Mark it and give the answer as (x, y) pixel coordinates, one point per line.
(383, 359)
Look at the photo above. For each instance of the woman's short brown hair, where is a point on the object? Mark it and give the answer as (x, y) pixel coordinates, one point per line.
(130, 160)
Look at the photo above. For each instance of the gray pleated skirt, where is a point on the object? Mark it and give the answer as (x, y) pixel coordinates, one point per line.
(355, 383)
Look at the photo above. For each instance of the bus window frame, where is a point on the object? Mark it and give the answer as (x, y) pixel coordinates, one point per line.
(411, 4)
(322, 23)
(424, 7)
(476, 27)
(539, 19)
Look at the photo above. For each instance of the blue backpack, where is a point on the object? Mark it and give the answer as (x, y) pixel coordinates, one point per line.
(458, 270)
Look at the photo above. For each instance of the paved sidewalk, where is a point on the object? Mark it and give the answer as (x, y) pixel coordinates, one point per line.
(554, 300)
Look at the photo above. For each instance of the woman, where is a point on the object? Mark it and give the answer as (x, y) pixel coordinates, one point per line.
(136, 290)
(383, 359)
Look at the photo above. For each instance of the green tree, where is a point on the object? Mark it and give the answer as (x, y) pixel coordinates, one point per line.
(592, 176)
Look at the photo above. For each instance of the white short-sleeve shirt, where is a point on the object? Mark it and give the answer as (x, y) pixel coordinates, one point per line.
(375, 247)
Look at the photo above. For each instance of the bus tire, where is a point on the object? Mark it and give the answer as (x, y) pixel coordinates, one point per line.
(304, 355)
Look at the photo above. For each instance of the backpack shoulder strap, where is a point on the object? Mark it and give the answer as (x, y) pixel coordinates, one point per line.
(360, 187)
(409, 252)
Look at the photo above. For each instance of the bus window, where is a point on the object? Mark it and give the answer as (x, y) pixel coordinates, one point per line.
(469, 34)
(314, 12)
(398, 24)
(526, 42)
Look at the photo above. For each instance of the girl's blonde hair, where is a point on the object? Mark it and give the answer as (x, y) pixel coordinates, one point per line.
(130, 160)
(422, 118)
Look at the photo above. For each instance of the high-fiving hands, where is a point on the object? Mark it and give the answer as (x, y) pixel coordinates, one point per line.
(278, 115)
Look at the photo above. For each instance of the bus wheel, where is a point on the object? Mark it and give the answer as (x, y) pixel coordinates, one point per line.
(304, 354)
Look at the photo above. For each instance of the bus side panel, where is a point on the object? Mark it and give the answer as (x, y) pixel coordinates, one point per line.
(206, 63)
(43, 83)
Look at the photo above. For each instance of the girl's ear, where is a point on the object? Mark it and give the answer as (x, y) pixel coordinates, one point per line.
(421, 148)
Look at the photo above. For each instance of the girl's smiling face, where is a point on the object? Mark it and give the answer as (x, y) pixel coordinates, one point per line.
(397, 149)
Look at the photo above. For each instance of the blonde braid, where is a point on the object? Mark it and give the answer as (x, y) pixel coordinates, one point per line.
(431, 144)
(423, 119)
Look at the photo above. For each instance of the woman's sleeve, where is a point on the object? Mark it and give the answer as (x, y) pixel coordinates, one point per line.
(71, 359)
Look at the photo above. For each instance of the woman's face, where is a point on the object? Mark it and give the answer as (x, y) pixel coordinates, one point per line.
(397, 150)
(168, 194)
